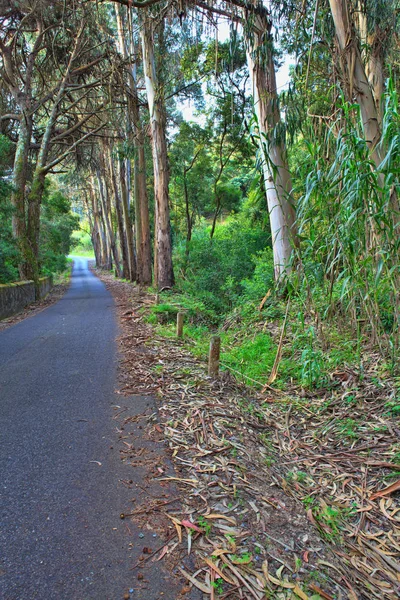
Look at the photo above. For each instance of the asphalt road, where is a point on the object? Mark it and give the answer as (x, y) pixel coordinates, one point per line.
(60, 531)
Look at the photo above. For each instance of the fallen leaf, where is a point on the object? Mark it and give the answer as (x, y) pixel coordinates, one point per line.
(317, 589)
(387, 490)
(213, 566)
(201, 586)
(191, 525)
(230, 520)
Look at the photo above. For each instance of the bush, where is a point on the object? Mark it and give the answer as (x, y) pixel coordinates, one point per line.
(9, 254)
(219, 270)
(56, 226)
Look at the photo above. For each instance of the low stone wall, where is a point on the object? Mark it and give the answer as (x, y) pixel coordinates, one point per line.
(45, 285)
(14, 297)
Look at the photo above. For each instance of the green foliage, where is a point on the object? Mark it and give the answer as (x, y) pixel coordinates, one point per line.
(253, 357)
(204, 524)
(393, 407)
(56, 226)
(331, 520)
(218, 585)
(348, 428)
(262, 279)
(217, 268)
(349, 226)
(81, 241)
(9, 253)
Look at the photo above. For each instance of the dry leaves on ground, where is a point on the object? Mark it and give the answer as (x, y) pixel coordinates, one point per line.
(242, 465)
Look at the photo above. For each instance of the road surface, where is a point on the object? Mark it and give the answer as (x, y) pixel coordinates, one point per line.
(60, 500)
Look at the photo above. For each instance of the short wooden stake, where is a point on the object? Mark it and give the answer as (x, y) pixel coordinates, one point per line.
(179, 324)
(213, 356)
(157, 299)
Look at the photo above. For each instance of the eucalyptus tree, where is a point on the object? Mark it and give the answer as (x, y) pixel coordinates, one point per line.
(163, 268)
(129, 47)
(54, 64)
(257, 27)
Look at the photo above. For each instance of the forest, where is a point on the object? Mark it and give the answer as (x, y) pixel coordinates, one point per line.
(291, 192)
(240, 160)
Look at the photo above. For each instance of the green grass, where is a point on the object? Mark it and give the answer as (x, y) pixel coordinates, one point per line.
(248, 348)
(251, 359)
(83, 252)
(63, 277)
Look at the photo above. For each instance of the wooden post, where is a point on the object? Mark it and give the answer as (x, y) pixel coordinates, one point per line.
(213, 356)
(157, 299)
(179, 324)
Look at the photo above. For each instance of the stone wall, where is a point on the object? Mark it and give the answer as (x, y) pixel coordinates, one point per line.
(14, 297)
(45, 285)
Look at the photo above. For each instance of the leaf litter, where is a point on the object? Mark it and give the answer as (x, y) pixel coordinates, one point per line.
(281, 496)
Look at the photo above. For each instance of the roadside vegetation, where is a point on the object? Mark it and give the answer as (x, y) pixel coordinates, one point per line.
(57, 223)
(81, 242)
(340, 305)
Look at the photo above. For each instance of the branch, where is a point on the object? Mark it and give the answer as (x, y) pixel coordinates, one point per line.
(56, 161)
(10, 117)
(130, 3)
(185, 87)
(76, 126)
(246, 5)
(187, 169)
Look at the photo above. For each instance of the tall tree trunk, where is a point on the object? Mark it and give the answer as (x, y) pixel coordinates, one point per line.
(120, 220)
(94, 233)
(142, 221)
(128, 222)
(277, 180)
(23, 100)
(136, 134)
(349, 47)
(104, 263)
(39, 176)
(18, 194)
(33, 229)
(107, 220)
(163, 269)
(189, 222)
(372, 55)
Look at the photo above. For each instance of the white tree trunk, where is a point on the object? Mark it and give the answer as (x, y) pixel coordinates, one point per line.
(277, 180)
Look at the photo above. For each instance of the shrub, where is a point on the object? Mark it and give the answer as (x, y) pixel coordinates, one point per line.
(219, 268)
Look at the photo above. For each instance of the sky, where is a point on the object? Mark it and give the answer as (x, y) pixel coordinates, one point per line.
(282, 75)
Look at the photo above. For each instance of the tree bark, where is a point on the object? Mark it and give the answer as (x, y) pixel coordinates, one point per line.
(107, 220)
(163, 269)
(128, 223)
(39, 176)
(189, 222)
(136, 134)
(277, 179)
(104, 263)
(372, 56)
(18, 192)
(94, 233)
(23, 99)
(120, 220)
(359, 85)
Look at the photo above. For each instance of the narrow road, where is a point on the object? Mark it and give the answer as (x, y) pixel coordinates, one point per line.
(60, 501)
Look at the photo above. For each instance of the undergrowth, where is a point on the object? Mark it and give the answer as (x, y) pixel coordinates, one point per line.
(250, 339)
(341, 298)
